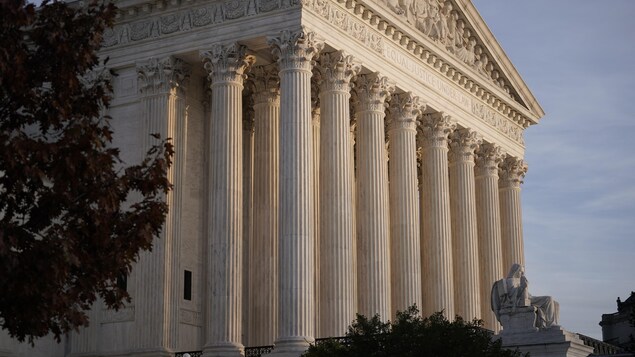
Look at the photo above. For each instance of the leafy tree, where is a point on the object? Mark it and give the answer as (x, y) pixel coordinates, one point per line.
(412, 335)
(72, 217)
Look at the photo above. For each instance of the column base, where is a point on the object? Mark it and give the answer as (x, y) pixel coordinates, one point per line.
(224, 349)
(291, 346)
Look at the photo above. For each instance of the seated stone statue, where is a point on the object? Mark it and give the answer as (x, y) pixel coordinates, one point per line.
(510, 297)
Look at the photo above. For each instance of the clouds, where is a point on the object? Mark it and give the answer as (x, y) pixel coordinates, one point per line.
(578, 58)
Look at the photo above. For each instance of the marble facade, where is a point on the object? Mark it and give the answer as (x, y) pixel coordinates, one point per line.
(332, 157)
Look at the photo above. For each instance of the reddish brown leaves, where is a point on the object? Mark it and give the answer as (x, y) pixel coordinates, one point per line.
(67, 229)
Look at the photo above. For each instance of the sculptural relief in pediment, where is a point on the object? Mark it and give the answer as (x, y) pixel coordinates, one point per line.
(442, 23)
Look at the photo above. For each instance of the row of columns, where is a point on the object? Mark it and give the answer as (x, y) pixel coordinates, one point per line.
(384, 243)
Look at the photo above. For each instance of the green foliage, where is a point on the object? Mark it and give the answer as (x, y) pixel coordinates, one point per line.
(67, 225)
(412, 335)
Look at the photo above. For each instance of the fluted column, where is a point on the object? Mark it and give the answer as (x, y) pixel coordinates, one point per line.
(248, 209)
(489, 230)
(226, 65)
(315, 121)
(373, 229)
(512, 172)
(404, 202)
(264, 258)
(337, 289)
(467, 300)
(296, 296)
(162, 84)
(436, 246)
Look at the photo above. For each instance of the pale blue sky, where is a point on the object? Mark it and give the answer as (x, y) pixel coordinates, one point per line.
(578, 58)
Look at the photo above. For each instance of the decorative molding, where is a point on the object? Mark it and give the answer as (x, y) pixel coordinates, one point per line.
(187, 19)
(403, 111)
(371, 92)
(463, 144)
(344, 21)
(512, 172)
(435, 129)
(296, 49)
(190, 317)
(336, 70)
(227, 63)
(488, 160)
(157, 76)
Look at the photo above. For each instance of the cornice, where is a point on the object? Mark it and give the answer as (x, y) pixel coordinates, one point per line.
(399, 32)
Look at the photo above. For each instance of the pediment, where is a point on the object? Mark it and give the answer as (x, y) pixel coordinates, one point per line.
(454, 30)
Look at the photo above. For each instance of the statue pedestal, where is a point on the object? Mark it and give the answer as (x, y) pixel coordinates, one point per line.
(549, 342)
(518, 319)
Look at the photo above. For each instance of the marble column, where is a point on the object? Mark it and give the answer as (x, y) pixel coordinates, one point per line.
(404, 202)
(264, 258)
(512, 172)
(248, 209)
(467, 300)
(226, 65)
(373, 227)
(436, 233)
(295, 51)
(489, 230)
(337, 289)
(162, 84)
(315, 121)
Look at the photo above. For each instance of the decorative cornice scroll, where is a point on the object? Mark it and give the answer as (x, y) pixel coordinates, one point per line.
(488, 159)
(336, 70)
(403, 111)
(296, 49)
(512, 172)
(435, 129)
(162, 75)
(463, 143)
(372, 91)
(227, 63)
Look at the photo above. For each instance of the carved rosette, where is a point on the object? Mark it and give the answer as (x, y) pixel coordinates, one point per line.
(512, 172)
(265, 84)
(227, 63)
(463, 144)
(435, 129)
(372, 91)
(403, 112)
(336, 70)
(158, 76)
(296, 49)
(488, 159)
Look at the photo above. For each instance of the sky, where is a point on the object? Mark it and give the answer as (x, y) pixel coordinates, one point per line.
(578, 59)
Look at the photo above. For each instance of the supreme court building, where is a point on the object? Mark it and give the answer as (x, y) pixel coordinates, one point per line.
(332, 157)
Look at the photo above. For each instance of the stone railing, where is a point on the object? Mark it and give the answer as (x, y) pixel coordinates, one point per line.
(600, 348)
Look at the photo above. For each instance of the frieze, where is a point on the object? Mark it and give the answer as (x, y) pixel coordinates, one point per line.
(343, 20)
(481, 111)
(188, 19)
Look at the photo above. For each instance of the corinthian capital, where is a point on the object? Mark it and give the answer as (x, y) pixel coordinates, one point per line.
(463, 143)
(265, 84)
(336, 70)
(435, 129)
(403, 111)
(488, 158)
(296, 49)
(372, 91)
(162, 75)
(512, 172)
(227, 63)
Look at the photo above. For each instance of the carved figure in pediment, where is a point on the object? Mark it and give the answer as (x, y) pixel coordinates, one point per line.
(445, 23)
